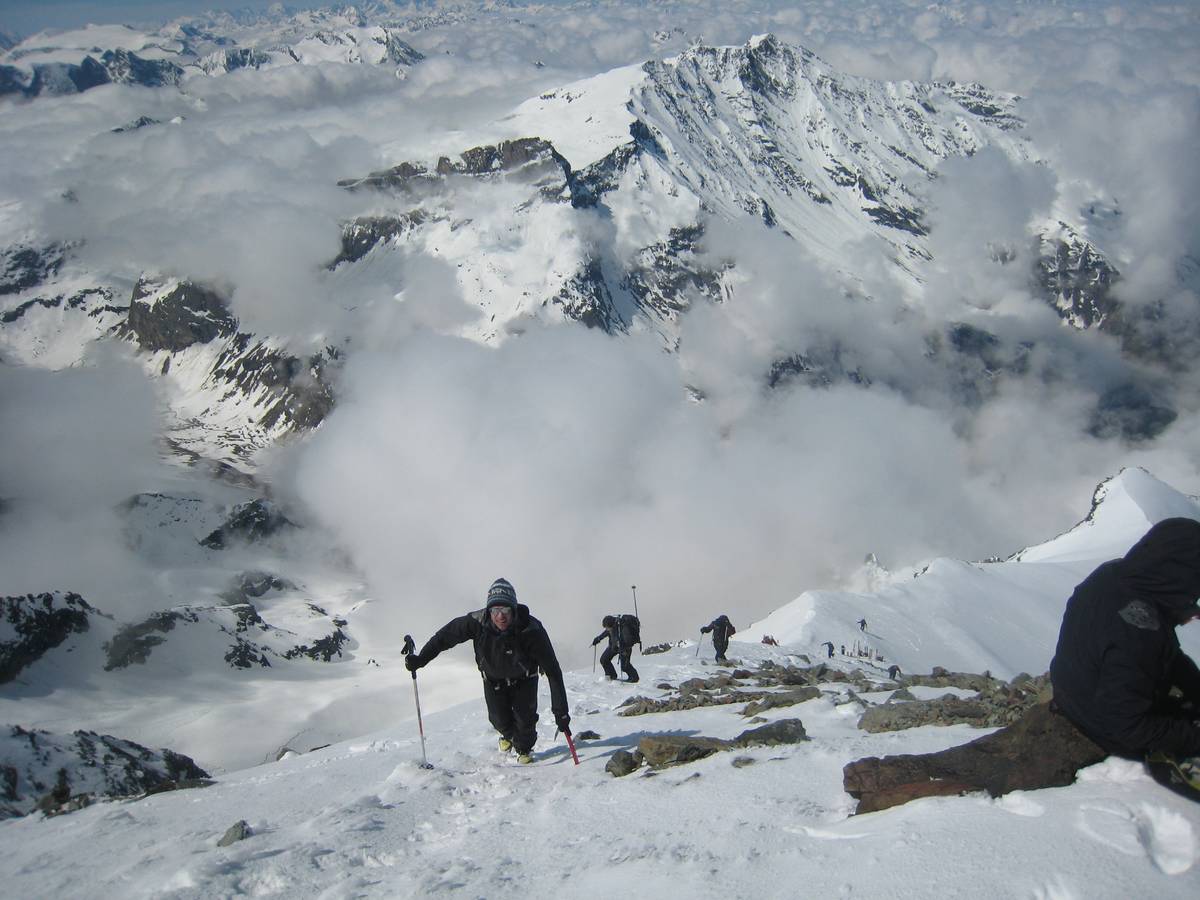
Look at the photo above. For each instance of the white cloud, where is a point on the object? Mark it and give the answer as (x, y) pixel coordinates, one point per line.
(69, 454)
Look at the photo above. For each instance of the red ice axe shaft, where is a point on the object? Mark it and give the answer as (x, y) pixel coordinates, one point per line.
(571, 747)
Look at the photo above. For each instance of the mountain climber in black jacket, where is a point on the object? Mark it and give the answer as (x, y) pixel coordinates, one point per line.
(721, 629)
(619, 645)
(1118, 656)
(510, 647)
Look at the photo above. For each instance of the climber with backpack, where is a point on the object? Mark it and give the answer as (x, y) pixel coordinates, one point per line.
(623, 632)
(721, 629)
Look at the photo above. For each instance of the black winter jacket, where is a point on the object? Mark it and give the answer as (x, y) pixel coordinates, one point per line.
(618, 640)
(1118, 654)
(721, 628)
(515, 653)
(614, 638)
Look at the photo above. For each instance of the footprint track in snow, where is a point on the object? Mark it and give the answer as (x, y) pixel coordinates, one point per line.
(1161, 834)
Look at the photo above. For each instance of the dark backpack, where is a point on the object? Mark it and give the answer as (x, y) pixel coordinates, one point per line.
(631, 630)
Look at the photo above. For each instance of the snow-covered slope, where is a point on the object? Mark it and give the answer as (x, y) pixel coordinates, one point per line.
(362, 818)
(999, 615)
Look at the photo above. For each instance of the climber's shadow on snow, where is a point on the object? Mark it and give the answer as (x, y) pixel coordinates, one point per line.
(628, 741)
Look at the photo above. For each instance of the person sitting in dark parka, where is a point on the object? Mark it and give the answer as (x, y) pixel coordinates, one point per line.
(1118, 659)
(1118, 656)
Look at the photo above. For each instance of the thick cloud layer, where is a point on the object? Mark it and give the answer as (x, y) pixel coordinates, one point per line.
(69, 455)
(577, 464)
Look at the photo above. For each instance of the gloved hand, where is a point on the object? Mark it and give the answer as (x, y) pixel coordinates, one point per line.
(563, 721)
(597, 640)
(705, 630)
(413, 661)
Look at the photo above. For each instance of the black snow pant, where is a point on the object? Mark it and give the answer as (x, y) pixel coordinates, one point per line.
(720, 644)
(512, 710)
(606, 659)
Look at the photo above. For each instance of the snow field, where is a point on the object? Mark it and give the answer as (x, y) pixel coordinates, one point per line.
(362, 819)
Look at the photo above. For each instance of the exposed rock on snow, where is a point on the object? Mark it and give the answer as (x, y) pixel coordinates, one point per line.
(23, 266)
(238, 831)
(661, 751)
(1042, 749)
(726, 689)
(58, 773)
(247, 523)
(997, 703)
(177, 314)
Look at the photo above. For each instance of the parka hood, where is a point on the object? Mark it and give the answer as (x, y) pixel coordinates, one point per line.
(1164, 566)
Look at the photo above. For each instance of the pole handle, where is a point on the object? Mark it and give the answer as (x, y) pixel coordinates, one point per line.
(408, 649)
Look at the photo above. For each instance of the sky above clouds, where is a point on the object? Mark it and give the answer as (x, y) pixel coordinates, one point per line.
(576, 464)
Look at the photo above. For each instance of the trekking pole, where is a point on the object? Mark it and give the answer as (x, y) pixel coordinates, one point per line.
(409, 648)
(593, 659)
(699, 643)
(636, 616)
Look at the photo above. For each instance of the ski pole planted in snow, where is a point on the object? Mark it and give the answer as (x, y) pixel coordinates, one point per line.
(636, 616)
(699, 644)
(410, 647)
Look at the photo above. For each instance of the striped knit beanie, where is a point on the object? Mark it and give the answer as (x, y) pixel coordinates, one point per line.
(501, 593)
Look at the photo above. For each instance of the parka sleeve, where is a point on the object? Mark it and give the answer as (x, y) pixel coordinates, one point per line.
(453, 633)
(1126, 690)
(1186, 676)
(548, 662)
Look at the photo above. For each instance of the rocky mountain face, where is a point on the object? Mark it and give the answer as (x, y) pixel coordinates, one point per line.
(251, 614)
(174, 321)
(765, 130)
(44, 66)
(57, 630)
(32, 625)
(110, 67)
(58, 773)
(717, 134)
(822, 156)
(40, 628)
